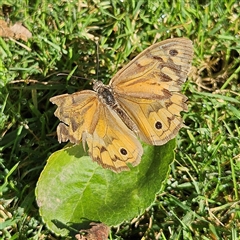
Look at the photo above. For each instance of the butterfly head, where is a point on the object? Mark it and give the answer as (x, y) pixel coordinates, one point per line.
(97, 85)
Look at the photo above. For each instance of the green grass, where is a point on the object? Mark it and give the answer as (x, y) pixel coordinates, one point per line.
(201, 196)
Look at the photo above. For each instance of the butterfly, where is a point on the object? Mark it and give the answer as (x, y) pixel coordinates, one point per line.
(142, 100)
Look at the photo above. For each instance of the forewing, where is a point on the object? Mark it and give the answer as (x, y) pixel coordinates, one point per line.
(78, 113)
(161, 68)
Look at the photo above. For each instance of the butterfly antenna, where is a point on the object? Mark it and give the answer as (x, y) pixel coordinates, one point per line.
(74, 76)
(97, 50)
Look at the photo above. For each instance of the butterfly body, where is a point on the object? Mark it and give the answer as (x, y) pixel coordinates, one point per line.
(142, 100)
(106, 95)
(104, 92)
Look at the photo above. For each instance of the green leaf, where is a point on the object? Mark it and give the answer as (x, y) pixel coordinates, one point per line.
(73, 190)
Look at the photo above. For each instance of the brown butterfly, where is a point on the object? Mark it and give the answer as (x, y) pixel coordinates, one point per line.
(142, 100)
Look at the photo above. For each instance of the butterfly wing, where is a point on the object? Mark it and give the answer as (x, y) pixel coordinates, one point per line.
(85, 118)
(148, 89)
(158, 120)
(78, 112)
(112, 144)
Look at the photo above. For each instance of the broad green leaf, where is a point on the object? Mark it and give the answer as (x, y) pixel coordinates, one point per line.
(73, 190)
